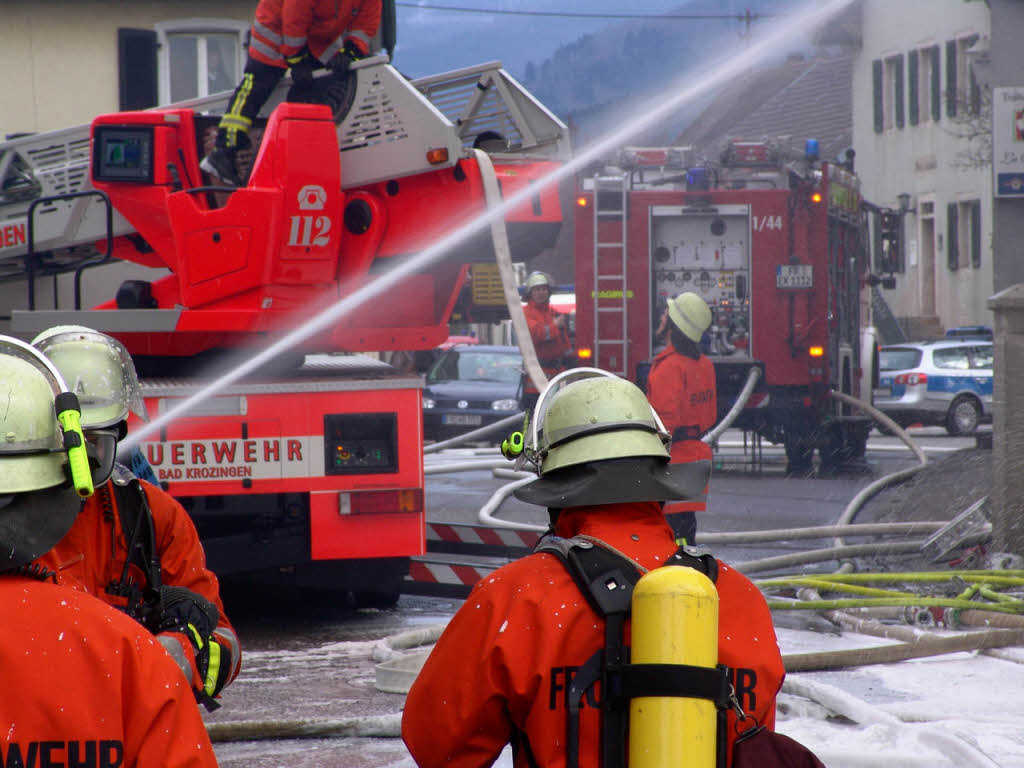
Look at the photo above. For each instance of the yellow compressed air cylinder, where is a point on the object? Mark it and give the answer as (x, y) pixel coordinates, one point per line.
(675, 621)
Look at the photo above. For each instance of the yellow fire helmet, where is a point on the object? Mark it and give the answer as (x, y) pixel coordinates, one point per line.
(690, 314)
(538, 278)
(38, 504)
(595, 439)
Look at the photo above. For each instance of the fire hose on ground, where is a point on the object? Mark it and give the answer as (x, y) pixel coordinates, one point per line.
(1004, 624)
(841, 549)
(1001, 618)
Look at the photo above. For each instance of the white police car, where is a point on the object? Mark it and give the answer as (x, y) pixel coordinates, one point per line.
(946, 382)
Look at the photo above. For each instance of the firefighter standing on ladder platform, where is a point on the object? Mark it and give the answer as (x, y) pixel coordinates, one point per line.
(681, 388)
(83, 683)
(549, 331)
(504, 666)
(298, 35)
(132, 545)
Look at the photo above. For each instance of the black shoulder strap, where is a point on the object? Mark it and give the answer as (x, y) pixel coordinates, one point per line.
(606, 578)
(140, 537)
(697, 557)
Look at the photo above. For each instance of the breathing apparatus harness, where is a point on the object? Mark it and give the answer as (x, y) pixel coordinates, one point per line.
(606, 578)
(144, 603)
(152, 604)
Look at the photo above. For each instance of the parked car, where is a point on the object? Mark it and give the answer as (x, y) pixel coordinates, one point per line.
(470, 386)
(946, 382)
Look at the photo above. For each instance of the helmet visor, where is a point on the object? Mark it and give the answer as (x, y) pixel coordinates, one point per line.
(101, 447)
(99, 370)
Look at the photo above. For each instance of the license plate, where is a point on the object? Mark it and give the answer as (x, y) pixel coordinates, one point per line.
(794, 276)
(463, 419)
(883, 392)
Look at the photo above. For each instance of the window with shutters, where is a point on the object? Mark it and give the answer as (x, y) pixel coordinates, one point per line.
(964, 235)
(923, 85)
(199, 57)
(963, 92)
(968, 90)
(892, 93)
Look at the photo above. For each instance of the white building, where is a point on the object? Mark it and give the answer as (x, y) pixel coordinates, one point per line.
(76, 60)
(70, 61)
(921, 131)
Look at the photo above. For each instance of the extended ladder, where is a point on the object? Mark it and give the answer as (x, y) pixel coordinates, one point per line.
(610, 285)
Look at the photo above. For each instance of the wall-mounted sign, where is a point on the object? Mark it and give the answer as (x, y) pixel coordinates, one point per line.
(1008, 142)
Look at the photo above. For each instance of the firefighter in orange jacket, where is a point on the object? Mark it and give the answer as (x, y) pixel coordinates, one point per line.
(502, 669)
(681, 388)
(298, 35)
(84, 685)
(133, 546)
(548, 330)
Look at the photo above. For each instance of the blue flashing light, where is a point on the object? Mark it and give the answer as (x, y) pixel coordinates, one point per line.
(811, 149)
(697, 178)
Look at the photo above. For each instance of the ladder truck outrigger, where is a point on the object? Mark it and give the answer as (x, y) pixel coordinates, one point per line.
(778, 247)
(311, 473)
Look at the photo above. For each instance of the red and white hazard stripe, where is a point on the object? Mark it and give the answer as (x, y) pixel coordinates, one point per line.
(481, 534)
(436, 572)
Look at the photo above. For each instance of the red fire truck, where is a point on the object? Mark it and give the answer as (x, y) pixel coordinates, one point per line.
(776, 246)
(311, 470)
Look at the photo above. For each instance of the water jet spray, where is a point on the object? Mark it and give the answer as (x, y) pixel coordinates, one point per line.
(807, 17)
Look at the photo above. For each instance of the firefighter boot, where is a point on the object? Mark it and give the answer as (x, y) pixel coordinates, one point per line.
(220, 162)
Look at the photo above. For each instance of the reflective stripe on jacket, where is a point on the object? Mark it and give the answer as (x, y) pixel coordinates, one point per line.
(86, 685)
(283, 27)
(501, 669)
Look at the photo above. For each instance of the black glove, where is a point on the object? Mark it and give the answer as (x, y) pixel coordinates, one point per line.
(342, 60)
(181, 608)
(301, 67)
(185, 611)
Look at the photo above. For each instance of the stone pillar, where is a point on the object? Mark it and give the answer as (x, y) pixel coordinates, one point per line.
(1007, 498)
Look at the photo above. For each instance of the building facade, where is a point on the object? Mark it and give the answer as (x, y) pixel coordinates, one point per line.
(922, 136)
(77, 60)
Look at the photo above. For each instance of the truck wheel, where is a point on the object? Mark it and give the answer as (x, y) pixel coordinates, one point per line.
(799, 452)
(832, 447)
(963, 416)
(855, 441)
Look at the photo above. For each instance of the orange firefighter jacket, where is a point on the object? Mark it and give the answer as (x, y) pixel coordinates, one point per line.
(93, 553)
(550, 342)
(282, 28)
(501, 669)
(85, 685)
(683, 392)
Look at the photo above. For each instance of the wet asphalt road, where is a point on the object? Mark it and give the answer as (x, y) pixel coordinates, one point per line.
(308, 656)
